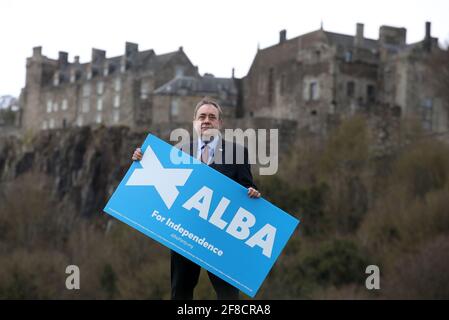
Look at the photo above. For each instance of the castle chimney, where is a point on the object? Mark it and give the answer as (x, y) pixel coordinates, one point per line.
(77, 59)
(181, 49)
(392, 36)
(428, 29)
(129, 59)
(428, 38)
(282, 36)
(98, 56)
(358, 40)
(233, 71)
(131, 48)
(63, 58)
(37, 51)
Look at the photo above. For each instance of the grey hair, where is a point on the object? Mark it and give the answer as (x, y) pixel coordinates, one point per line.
(208, 100)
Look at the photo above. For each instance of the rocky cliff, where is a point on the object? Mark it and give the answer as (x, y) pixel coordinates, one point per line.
(83, 165)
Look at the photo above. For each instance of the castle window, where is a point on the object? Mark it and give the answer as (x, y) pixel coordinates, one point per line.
(85, 106)
(49, 106)
(56, 78)
(314, 91)
(52, 123)
(106, 69)
(55, 106)
(371, 93)
(72, 76)
(350, 89)
(116, 116)
(144, 89)
(428, 103)
(174, 108)
(179, 71)
(64, 123)
(44, 125)
(427, 113)
(86, 90)
(100, 104)
(118, 84)
(64, 104)
(99, 118)
(348, 56)
(100, 87)
(79, 120)
(117, 101)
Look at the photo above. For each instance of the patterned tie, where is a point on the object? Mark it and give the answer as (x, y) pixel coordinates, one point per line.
(205, 153)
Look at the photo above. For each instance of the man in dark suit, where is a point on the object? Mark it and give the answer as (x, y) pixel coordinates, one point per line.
(221, 155)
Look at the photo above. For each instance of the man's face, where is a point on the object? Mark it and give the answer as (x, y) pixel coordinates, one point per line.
(207, 120)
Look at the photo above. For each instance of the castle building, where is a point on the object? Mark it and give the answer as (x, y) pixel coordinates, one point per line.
(174, 101)
(313, 80)
(320, 76)
(109, 91)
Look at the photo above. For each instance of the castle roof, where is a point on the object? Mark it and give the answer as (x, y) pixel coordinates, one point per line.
(144, 61)
(205, 85)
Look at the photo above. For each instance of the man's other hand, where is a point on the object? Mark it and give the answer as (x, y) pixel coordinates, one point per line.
(137, 155)
(253, 193)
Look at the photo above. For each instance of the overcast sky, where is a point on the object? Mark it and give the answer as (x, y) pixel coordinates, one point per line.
(216, 35)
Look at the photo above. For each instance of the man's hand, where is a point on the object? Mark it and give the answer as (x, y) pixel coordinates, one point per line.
(137, 155)
(253, 193)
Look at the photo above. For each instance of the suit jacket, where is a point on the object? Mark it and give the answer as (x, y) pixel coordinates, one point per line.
(224, 161)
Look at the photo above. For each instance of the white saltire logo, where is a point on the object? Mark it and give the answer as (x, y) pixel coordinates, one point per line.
(164, 180)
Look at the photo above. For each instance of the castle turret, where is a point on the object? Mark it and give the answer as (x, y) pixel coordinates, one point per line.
(39, 71)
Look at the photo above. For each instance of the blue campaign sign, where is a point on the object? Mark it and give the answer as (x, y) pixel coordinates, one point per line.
(202, 214)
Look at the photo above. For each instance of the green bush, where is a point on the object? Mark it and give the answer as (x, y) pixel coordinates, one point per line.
(336, 262)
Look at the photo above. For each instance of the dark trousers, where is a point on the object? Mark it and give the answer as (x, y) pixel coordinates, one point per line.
(184, 278)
